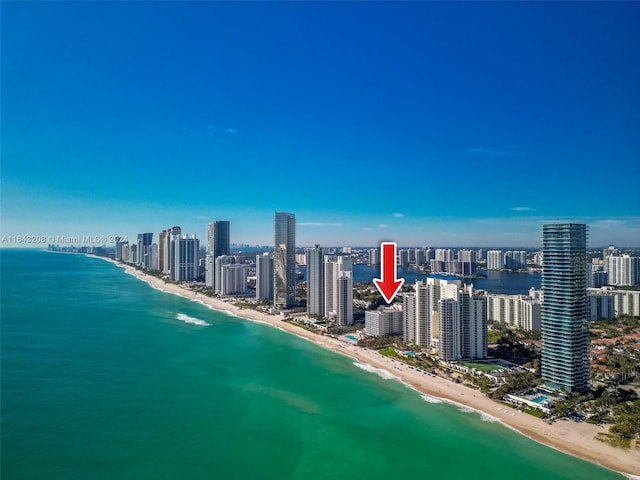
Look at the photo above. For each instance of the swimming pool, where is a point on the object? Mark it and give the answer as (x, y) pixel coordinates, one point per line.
(540, 399)
(351, 337)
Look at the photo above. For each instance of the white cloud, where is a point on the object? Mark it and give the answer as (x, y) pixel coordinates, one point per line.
(398, 215)
(521, 209)
(383, 225)
(319, 224)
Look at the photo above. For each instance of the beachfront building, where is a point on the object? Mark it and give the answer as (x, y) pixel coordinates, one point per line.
(408, 318)
(185, 256)
(383, 321)
(565, 363)
(218, 244)
(119, 248)
(473, 324)
(264, 277)
(449, 318)
(315, 280)
(284, 259)
(233, 279)
(338, 288)
(144, 250)
(520, 311)
(169, 256)
(220, 262)
(456, 327)
(162, 247)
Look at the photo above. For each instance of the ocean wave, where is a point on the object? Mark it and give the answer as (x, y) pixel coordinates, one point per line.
(192, 320)
(466, 410)
(488, 418)
(430, 399)
(378, 371)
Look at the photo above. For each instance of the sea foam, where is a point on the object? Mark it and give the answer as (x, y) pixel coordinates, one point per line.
(192, 320)
(430, 399)
(488, 418)
(378, 371)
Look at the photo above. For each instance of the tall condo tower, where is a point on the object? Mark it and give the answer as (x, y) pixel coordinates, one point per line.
(264, 277)
(284, 259)
(315, 280)
(565, 310)
(218, 244)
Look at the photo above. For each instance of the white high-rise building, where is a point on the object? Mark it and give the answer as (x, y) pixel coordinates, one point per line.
(444, 255)
(315, 280)
(518, 311)
(495, 260)
(220, 262)
(169, 256)
(440, 314)
(119, 248)
(264, 277)
(338, 288)
(622, 270)
(284, 259)
(383, 321)
(374, 257)
(422, 314)
(408, 318)
(473, 324)
(449, 318)
(233, 279)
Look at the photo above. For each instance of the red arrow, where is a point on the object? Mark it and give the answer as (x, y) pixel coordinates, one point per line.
(389, 285)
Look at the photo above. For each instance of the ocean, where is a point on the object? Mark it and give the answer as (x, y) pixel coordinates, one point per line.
(104, 377)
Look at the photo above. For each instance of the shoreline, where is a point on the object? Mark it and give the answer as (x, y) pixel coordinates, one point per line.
(576, 439)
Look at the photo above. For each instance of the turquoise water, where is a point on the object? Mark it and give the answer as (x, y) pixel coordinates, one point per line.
(540, 399)
(351, 337)
(104, 377)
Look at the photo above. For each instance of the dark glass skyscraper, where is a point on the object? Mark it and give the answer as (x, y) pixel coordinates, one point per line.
(565, 314)
(218, 244)
(284, 259)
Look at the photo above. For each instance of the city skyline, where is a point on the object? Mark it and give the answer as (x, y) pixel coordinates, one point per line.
(427, 124)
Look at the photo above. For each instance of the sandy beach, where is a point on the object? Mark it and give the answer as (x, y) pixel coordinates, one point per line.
(567, 436)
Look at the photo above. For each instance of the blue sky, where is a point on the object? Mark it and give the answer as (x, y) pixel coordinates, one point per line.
(423, 123)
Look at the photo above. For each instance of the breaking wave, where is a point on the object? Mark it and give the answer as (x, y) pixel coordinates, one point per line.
(430, 399)
(378, 371)
(488, 418)
(192, 320)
